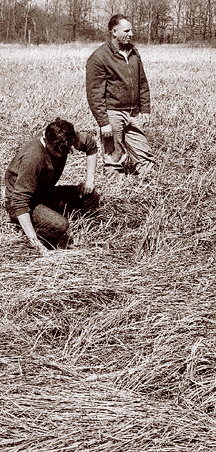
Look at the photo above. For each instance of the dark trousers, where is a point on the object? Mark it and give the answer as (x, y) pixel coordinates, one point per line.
(49, 213)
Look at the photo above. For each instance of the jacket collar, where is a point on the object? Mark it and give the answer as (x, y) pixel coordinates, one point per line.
(115, 50)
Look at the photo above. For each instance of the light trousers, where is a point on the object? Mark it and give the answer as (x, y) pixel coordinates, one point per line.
(128, 140)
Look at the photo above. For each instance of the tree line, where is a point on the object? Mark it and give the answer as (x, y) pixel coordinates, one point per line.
(154, 21)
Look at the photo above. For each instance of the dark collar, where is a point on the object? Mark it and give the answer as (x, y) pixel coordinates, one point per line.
(115, 50)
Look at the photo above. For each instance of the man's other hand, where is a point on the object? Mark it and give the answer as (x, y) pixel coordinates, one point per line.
(85, 189)
(39, 247)
(106, 131)
(145, 118)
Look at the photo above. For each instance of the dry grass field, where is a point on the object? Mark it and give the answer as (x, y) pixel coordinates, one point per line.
(110, 345)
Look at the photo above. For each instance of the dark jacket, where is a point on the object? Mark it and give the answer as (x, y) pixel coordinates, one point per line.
(112, 83)
(33, 172)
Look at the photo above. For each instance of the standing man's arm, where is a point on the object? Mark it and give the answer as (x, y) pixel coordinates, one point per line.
(96, 93)
(144, 94)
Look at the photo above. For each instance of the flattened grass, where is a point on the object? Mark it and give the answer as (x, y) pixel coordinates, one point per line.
(110, 345)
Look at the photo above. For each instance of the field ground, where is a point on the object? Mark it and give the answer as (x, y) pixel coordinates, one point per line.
(110, 345)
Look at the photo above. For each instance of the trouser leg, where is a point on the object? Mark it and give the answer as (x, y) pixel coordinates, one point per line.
(48, 223)
(65, 198)
(128, 140)
(49, 213)
(114, 152)
(48, 219)
(137, 145)
(91, 202)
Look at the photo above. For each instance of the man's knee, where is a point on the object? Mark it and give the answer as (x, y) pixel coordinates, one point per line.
(63, 225)
(49, 222)
(91, 201)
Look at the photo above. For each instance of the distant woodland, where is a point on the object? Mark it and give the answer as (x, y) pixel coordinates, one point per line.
(60, 21)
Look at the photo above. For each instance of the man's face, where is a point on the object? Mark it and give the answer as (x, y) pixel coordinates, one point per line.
(123, 32)
(60, 151)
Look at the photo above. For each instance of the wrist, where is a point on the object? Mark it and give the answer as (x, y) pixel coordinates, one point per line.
(34, 241)
(89, 187)
(89, 181)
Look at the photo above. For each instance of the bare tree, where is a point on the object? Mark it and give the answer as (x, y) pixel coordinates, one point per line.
(77, 13)
(150, 16)
(113, 7)
(208, 20)
(178, 18)
(28, 6)
(7, 18)
(65, 20)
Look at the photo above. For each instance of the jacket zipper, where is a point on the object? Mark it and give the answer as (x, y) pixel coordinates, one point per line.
(131, 80)
(132, 89)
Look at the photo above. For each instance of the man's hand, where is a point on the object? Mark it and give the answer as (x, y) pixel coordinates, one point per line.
(85, 189)
(88, 186)
(106, 131)
(35, 242)
(145, 118)
(27, 226)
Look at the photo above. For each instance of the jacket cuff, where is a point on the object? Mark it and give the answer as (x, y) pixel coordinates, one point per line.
(145, 110)
(21, 210)
(103, 122)
(91, 148)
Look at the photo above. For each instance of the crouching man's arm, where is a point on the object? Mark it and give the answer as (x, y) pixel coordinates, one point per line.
(86, 143)
(27, 226)
(91, 163)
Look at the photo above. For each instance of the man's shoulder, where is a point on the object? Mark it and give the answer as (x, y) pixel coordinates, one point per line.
(135, 50)
(100, 52)
(82, 137)
(33, 151)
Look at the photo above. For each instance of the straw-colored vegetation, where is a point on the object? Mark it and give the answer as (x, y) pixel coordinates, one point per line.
(110, 345)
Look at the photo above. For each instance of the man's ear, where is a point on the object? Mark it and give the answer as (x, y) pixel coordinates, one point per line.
(114, 32)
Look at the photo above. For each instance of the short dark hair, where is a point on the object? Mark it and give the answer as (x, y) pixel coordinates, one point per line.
(60, 132)
(115, 20)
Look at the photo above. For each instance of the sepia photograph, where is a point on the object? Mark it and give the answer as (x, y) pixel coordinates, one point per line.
(108, 226)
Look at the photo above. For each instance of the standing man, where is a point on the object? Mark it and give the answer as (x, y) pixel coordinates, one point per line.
(32, 198)
(118, 96)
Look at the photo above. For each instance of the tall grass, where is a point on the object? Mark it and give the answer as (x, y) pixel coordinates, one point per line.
(110, 345)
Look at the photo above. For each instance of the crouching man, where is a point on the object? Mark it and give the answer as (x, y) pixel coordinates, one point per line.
(32, 198)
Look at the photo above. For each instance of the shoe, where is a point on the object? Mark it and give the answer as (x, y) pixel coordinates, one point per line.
(114, 175)
(129, 166)
(148, 171)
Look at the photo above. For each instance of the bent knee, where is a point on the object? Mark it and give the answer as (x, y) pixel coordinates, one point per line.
(91, 201)
(49, 222)
(59, 224)
(64, 225)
